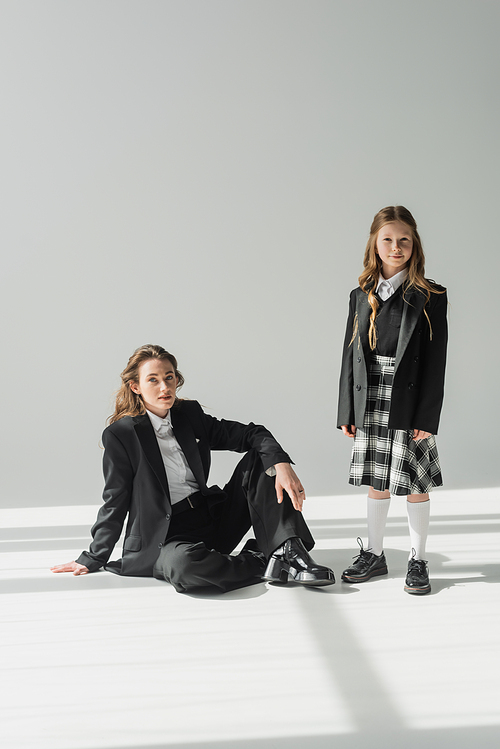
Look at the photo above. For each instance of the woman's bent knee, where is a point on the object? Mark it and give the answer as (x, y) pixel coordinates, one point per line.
(179, 561)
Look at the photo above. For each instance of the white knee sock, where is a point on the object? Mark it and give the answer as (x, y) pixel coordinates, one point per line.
(418, 523)
(377, 510)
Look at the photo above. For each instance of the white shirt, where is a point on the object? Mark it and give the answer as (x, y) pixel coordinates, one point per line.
(180, 478)
(387, 286)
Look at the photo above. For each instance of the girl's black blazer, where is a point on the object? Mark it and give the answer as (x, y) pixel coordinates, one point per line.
(418, 387)
(136, 481)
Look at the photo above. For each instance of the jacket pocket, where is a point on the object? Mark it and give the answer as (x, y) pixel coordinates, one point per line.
(132, 543)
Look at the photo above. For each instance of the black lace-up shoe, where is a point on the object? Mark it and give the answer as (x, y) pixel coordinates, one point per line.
(292, 561)
(417, 579)
(365, 566)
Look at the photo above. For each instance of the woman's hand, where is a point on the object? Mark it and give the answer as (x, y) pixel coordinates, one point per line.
(419, 434)
(74, 567)
(349, 431)
(287, 479)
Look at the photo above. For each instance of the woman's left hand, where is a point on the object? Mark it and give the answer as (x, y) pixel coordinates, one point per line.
(74, 567)
(287, 479)
(419, 434)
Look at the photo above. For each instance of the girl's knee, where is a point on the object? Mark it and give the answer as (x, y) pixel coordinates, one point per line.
(375, 494)
(418, 498)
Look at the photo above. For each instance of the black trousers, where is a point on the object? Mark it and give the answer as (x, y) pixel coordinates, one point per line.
(197, 550)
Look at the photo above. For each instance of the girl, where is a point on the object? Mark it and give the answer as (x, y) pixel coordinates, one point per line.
(391, 389)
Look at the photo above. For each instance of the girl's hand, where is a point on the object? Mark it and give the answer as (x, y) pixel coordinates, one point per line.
(349, 431)
(74, 567)
(419, 434)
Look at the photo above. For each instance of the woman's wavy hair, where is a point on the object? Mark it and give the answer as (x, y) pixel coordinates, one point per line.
(127, 402)
(415, 279)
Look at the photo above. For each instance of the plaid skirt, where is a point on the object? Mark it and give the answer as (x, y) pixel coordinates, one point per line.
(390, 459)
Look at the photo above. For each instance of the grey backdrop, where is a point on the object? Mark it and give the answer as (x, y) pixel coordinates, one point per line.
(203, 175)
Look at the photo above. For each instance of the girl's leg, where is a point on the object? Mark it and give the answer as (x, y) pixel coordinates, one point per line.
(417, 579)
(418, 508)
(371, 562)
(377, 509)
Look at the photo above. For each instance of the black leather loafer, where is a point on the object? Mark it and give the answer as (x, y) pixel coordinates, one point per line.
(292, 561)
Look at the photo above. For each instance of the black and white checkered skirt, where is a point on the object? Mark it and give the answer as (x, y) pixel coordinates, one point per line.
(390, 459)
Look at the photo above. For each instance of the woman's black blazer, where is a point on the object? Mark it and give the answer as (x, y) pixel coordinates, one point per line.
(136, 482)
(418, 386)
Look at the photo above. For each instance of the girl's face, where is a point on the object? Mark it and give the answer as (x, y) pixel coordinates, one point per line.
(157, 385)
(394, 245)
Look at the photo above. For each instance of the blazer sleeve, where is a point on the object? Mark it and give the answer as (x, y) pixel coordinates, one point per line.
(345, 413)
(118, 479)
(237, 437)
(431, 385)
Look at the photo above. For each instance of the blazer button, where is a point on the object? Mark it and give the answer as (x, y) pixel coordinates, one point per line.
(359, 359)
(160, 545)
(358, 387)
(167, 517)
(415, 358)
(410, 385)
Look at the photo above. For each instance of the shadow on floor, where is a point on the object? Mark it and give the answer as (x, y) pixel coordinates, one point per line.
(442, 738)
(54, 583)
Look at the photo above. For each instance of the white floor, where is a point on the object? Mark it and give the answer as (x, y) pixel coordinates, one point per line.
(103, 662)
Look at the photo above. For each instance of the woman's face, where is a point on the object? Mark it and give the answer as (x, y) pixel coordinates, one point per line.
(157, 385)
(394, 246)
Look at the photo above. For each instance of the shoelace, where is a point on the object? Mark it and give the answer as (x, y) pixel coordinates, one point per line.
(364, 554)
(417, 565)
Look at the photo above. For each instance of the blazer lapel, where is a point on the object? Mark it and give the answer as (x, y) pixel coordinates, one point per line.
(414, 304)
(185, 436)
(147, 438)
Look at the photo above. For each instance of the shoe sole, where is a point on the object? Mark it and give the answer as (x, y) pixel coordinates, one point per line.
(374, 573)
(309, 583)
(313, 583)
(418, 591)
(282, 580)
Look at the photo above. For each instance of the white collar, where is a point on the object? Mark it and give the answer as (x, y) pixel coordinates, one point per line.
(158, 422)
(394, 282)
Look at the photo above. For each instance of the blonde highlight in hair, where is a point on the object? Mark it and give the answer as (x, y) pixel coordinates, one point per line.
(368, 279)
(128, 403)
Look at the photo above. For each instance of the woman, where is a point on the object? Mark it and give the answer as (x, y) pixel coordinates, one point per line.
(156, 465)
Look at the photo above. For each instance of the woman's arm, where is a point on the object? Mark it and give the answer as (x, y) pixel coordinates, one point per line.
(118, 478)
(233, 435)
